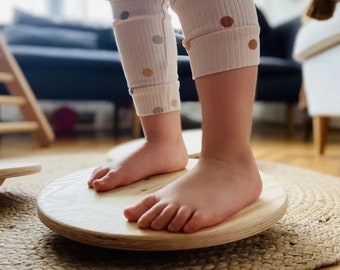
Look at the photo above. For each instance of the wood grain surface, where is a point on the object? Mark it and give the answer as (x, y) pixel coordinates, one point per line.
(69, 208)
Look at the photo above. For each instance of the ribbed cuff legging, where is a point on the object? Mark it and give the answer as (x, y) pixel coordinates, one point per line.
(220, 35)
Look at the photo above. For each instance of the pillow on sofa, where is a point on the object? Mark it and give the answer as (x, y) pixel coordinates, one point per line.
(51, 37)
(22, 17)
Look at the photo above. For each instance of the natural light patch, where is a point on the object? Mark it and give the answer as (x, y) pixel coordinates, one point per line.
(7, 8)
(88, 11)
(175, 20)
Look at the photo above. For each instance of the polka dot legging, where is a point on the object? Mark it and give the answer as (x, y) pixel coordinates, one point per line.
(220, 35)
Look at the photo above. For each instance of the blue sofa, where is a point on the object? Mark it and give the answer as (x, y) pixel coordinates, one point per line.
(70, 61)
(279, 75)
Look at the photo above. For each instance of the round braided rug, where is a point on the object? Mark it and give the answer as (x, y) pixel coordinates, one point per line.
(307, 237)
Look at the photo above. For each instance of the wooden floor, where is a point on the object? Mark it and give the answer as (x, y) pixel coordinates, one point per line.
(269, 143)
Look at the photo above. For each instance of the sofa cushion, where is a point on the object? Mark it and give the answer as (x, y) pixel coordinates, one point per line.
(50, 37)
(72, 74)
(69, 59)
(279, 67)
(105, 41)
(22, 17)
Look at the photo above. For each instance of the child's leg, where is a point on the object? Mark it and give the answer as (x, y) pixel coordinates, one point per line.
(221, 38)
(147, 44)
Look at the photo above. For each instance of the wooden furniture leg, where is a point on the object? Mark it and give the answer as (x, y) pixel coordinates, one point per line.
(320, 128)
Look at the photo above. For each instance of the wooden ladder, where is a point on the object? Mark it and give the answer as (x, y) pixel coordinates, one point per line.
(21, 94)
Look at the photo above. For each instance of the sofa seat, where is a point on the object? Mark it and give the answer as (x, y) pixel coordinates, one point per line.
(81, 74)
(72, 74)
(272, 71)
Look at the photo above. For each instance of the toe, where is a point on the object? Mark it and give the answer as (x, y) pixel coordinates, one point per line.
(97, 173)
(180, 219)
(201, 219)
(134, 213)
(164, 218)
(198, 221)
(150, 215)
(109, 181)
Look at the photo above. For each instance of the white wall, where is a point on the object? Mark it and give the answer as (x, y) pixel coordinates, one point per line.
(7, 6)
(99, 10)
(278, 11)
(90, 11)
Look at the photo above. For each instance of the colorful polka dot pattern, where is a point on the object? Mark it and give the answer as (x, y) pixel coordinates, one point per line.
(252, 44)
(148, 72)
(225, 21)
(158, 110)
(228, 22)
(157, 39)
(174, 103)
(124, 15)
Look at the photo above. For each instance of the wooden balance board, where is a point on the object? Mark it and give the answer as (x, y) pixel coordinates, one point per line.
(15, 169)
(71, 209)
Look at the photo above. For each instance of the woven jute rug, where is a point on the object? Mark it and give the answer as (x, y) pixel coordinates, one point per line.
(307, 237)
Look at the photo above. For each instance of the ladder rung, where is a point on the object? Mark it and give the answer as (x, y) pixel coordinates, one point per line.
(6, 77)
(12, 100)
(24, 126)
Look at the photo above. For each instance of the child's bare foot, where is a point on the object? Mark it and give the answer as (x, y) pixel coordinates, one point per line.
(151, 158)
(206, 195)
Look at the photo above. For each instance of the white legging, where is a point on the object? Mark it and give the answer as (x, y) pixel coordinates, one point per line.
(220, 35)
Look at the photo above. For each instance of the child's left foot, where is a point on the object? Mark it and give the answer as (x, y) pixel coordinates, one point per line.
(206, 195)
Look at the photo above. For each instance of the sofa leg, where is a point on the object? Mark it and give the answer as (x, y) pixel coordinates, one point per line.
(290, 117)
(320, 128)
(116, 128)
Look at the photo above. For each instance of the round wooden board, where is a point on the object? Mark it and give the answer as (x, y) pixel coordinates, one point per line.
(69, 208)
(14, 169)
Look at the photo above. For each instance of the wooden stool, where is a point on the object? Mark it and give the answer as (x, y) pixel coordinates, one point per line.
(21, 95)
(9, 170)
(71, 209)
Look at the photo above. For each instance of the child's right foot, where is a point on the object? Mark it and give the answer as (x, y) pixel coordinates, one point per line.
(150, 159)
